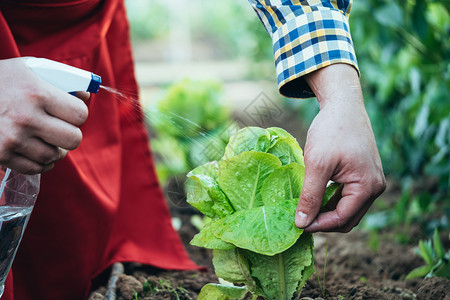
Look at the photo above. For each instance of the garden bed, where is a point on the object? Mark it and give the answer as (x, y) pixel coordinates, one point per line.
(352, 271)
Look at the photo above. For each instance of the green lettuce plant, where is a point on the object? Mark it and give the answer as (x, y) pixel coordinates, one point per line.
(251, 196)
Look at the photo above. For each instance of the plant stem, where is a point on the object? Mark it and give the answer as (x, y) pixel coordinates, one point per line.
(282, 279)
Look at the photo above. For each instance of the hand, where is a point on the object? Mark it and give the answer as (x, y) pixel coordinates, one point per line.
(38, 122)
(340, 146)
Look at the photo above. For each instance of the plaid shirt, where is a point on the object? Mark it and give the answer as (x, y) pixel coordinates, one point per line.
(307, 35)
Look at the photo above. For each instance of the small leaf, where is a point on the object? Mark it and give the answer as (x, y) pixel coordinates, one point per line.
(279, 132)
(204, 193)
(331, 191)
(222, 292)
(438, 247)
(232, 266)
(418, 272)
(426, 252)
(205, 238)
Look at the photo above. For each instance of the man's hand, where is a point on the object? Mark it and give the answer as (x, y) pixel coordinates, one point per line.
(340, 146)
(38, 122)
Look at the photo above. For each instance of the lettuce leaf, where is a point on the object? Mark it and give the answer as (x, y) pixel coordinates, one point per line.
(267, 230)
(222, 292)
(248, 139)
(205, 238)
(205, 194)
(279, 132)
(284, 183)
(288, 151)
(232, 265)
(242, 176)
(280, 274)
(332, 190)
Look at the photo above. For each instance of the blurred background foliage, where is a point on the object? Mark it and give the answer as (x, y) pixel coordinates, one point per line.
(403, 49)
(190, 123)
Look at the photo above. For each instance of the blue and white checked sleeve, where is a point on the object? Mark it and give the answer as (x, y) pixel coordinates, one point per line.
(307, 35)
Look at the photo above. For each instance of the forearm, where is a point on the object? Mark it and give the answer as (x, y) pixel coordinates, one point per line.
(336, 83)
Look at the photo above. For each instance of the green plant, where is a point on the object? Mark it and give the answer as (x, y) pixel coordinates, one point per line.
(437, 261)
(189, 122)
(404, 54)
(251, 196)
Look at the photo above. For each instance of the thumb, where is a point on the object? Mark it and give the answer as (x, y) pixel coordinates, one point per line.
(311, 196)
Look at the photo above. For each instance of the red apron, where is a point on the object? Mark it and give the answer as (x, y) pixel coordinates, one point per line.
(102, 203)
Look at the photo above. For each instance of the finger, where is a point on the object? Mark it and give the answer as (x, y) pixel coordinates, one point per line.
(58, 133)
(83, 96)
(318, 224)
(349, 211)
(24, 165)
(311, 195)
(64, 106)
(41, 152)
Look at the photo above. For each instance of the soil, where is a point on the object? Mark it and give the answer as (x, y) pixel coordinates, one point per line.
(353, 270)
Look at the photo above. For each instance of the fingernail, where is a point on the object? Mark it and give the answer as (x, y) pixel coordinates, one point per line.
(301, 219)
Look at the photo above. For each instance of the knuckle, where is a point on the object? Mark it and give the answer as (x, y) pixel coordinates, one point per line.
(314, 159)
(5, 157)
(36, 94)
(380, 186)
(10, 141)
(24, 119)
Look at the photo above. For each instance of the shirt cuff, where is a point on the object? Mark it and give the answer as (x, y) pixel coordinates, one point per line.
(307, 43)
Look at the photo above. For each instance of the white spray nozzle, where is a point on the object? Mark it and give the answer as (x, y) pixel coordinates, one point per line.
(64, 77)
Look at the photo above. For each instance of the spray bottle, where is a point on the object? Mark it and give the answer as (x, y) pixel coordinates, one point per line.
(18, 192)
(64, 77)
